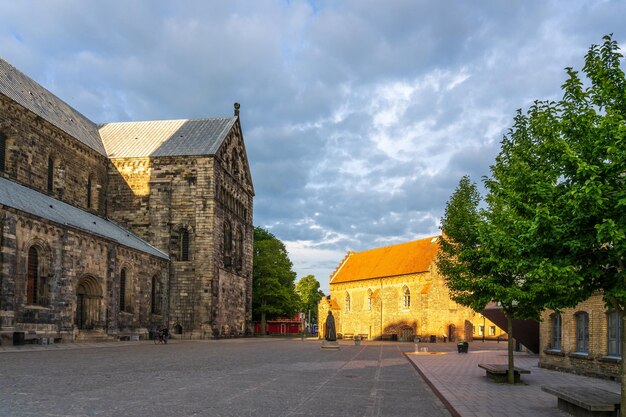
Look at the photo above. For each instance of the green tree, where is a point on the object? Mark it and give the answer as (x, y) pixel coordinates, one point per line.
(308, 288)
(554, 221)
(273, 289)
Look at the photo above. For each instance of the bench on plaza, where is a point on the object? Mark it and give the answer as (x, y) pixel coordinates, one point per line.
(499, 372)
(363, 336)
(348, 336)
(585, 401)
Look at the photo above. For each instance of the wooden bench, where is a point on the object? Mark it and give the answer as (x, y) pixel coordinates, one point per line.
(585, 401)
(499, 372)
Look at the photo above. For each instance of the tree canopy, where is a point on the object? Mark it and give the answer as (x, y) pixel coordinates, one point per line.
(273, 292)
(553, 228)
(308, 289)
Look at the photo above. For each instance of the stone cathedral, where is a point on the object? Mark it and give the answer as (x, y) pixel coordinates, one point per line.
(109, 231)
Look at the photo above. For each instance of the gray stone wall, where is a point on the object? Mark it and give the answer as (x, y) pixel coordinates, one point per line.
(31, 141)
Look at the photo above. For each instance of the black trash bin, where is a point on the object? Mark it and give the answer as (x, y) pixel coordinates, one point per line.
(462, 347)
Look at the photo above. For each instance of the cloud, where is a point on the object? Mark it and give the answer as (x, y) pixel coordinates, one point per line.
(360, 116)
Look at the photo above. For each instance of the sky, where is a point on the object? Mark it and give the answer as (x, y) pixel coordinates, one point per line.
(359, 116)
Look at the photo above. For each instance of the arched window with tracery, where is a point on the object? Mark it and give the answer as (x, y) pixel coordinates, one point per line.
(406, 297)
(369, 300)
(155, 301)
(347, 302)
(36, 281)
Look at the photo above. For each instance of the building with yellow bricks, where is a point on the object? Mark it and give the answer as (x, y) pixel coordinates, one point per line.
(395, 293)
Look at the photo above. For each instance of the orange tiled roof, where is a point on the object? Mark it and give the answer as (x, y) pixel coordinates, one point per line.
(402, 259)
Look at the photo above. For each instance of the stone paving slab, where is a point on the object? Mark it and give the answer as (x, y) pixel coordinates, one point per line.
(238, 377)
(467, 391)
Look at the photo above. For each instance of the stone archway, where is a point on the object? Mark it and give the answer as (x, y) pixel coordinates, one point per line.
(88, 301)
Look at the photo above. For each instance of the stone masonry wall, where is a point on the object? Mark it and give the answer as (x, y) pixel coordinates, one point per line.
(431, 312)
(31, 141)
(66, 257)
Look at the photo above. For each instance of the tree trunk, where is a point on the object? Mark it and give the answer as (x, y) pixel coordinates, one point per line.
(511, 373)
(622, 411)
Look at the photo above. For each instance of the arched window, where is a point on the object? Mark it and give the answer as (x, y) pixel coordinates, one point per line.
(50, 174)
(406, 297)
(228, 244)
(582, 332)
(240, 249)
(183, 250)
(36, 285)
(125, 302)
(91, 192)
(614, 334)
(156, 296)
(3, 151)
(555, 337)
(369, 300)
(347, 303)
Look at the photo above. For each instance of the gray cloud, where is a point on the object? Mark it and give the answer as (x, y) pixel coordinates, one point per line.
(360, 116)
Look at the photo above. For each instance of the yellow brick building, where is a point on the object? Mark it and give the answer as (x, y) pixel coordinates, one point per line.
(395, 293)
(583, 340)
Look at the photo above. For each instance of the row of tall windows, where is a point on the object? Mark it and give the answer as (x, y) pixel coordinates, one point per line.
(233, 247)
(613, 333)
(51, 170)
(406, 299)
(126, 293)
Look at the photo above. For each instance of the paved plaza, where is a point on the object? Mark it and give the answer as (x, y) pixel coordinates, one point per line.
(272, 377)
(237, 377)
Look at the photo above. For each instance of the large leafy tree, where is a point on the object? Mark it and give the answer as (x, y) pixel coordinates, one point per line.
(555, 222)
(273, 289)
(308, 288)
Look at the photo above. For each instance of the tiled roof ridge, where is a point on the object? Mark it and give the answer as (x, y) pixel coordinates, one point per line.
(33, 96)
(182, 119)
(341, 264)
(400, 244)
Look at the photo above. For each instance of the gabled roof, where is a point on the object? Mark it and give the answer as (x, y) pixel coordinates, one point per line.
(165, 137)
(402, 259)
(29, 94)
(30, 201)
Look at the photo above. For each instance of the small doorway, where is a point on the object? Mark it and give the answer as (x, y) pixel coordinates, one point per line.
(88, 300)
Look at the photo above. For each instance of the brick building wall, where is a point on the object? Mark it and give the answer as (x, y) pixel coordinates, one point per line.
(596, 361)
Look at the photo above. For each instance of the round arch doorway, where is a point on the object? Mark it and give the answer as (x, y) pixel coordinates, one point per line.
(88, 300)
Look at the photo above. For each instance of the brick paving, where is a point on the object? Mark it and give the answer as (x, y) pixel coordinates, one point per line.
(467, 392)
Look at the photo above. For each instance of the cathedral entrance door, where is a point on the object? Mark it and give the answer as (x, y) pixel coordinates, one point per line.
(88, 299)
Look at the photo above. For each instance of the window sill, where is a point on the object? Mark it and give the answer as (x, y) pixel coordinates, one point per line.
(580, 355)
(611, 359)
(554, 352)
(36, 307)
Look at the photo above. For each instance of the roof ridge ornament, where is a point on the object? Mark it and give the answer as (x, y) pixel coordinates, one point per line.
(237, 107)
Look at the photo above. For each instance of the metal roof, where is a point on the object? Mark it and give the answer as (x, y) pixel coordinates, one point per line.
(38, 204)
(165, 137)
(26, 92)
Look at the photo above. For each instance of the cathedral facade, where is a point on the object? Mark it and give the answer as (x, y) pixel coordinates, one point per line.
(109, 231)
